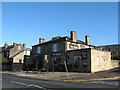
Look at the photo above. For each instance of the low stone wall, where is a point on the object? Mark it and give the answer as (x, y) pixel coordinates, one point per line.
(17, 66)
(6, 67)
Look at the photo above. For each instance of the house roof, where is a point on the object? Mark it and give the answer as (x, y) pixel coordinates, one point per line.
(108, 45)
(66, 38)
(16, 54)
(8, 48)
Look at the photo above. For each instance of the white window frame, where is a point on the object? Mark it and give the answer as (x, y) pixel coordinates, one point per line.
(55, 47)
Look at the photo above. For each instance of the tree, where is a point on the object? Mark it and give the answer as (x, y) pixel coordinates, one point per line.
(4, 60)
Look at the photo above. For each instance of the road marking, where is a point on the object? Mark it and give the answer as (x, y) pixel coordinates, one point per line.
(115, 83)
(29, 85)
(39, 86)
(18, 83)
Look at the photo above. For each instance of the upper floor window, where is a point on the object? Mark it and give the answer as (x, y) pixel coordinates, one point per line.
(38, 49)
(18, 47)
(82, 46)
(55, 48)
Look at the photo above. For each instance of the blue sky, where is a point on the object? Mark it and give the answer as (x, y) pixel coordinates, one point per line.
(26, 22)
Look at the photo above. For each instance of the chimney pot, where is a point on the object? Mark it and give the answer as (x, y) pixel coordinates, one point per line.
(41, 40)
(24, 46)
(14, 44)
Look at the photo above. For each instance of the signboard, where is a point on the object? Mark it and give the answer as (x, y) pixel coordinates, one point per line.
(84, 54)
(73, 46)
(58, 54)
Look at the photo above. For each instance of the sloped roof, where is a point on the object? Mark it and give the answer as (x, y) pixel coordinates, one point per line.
(66, 38)
(8, 48)
(16, 54)
(108, 45)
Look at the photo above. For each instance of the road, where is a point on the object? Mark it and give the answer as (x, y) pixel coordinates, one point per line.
(10, 81)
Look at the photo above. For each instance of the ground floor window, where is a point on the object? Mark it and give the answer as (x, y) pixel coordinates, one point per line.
(76, 61)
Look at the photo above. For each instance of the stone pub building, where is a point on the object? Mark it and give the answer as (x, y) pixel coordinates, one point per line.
(76, 54)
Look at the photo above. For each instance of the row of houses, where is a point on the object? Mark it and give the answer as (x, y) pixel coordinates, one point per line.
(77, 55)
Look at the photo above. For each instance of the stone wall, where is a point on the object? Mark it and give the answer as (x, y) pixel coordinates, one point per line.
(17, 66)
(6, 67)
(101, 61)
(18, 57)
(83, 63)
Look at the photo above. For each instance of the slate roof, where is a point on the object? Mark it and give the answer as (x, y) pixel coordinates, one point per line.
(66, 38)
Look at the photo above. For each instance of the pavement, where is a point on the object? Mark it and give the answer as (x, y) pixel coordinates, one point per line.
(70, 76)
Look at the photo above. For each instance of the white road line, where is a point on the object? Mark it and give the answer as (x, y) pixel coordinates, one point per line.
(29, 85)
(12, 82)
(18, 83)
(115, 83)
(39, 86)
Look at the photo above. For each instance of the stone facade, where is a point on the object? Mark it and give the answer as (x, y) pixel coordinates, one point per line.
(90, 60)
(15, 53)
(53, 54)
(56, 51)
(101, 61)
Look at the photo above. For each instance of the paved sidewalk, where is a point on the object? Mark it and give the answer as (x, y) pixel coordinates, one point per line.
(73, 76)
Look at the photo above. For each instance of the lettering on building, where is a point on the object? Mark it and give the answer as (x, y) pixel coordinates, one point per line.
(73, 46)
(58, 54)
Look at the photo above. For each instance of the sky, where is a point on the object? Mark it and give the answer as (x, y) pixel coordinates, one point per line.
(26, 22)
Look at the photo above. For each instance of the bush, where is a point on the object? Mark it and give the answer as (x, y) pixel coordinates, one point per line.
(4, 60)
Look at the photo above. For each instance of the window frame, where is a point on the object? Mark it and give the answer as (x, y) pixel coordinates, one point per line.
(55, 47)
(38, 49)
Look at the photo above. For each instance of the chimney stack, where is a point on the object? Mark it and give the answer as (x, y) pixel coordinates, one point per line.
(5, 45)
(24, 46)
(41, 40)
(73, 36)
(14, 44)
(87, 40)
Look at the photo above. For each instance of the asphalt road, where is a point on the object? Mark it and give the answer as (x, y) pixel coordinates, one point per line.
(10, 81)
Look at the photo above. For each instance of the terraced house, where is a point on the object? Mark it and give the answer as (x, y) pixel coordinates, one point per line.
(15, 54)
(76, 54)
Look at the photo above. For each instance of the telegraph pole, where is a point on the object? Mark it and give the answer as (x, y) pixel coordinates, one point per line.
(66, 60)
